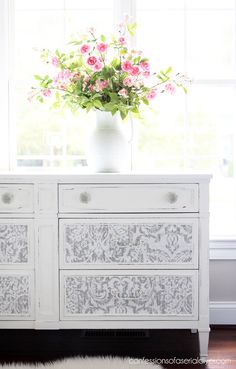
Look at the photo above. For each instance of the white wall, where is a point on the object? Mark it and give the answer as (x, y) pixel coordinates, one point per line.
(223, 291)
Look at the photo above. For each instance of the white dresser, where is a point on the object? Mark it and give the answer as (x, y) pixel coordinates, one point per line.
(105, 251)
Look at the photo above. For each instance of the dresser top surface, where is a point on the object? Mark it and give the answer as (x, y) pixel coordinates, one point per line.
(96, 178)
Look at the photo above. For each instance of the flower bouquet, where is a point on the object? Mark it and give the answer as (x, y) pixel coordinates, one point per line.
(104, 74)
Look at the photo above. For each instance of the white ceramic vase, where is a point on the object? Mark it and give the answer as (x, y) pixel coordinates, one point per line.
(108, 149)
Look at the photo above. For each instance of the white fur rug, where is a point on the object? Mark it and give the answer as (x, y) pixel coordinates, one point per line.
(89, 363)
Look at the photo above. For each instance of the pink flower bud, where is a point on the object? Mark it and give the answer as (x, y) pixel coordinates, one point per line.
(151, 94)
(102, 47)
(123, 92)
(92, 60)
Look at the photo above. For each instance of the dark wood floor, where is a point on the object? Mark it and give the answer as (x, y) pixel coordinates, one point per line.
(42, 346)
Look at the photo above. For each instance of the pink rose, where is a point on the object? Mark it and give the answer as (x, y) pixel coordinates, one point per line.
(84, 48)
(123, 92)
(146, 73)
(126, 66)
(62, 77)
(102, 47)
(151, 94)
(122, 40)
(128, 81)
(169, 87)
(91, 60)
(100, 85)
(97, 67)
(55, 61)
(145, 66)
(134, 71)
(91, 88)
(104, 84)
(46, 92)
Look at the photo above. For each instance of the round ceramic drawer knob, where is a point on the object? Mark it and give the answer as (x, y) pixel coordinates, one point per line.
(7, 198)
(85, 197)
(172, 197)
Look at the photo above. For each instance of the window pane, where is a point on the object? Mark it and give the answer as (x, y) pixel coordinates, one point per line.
(39, 5)
(88, 4)
(211, 44)
(160, 138)
(156, 38)
(159, 4)
(210, 4)
(45, 137)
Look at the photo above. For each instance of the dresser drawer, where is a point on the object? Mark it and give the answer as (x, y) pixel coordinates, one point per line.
(128, 198)
(16, 295)
(16, 243)
(156, 295)
(132, 242)
(16, 198)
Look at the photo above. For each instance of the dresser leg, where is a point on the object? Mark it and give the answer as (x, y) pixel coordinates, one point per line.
(203, 344)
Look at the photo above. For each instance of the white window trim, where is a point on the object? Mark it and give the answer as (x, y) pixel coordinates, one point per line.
(219, 249)
(4, 91)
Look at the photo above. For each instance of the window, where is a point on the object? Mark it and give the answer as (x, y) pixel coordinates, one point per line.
(193, 132)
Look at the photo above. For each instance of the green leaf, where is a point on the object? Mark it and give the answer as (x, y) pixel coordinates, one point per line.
(115, 63)
(114, 97)
(132, 28)
(123, 51)
(123, 113)
(103, 38)
(145, 101)
(36, 76)
(135, 110)
(168, 70)
(97, 104)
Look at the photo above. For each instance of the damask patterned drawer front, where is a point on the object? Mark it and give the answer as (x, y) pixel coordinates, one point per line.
(162, 295)
(128, 198)
(16, 198)
(16, 243)
(16, 295)
(168, 242)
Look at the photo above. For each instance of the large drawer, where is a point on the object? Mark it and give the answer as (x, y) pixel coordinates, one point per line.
(128, 198)
(131, 242)
(16, 295)
(16, 198)
(159, 295)
(16, 243)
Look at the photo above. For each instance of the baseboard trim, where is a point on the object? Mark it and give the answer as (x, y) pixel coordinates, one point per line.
(222, 250)
(223, 312)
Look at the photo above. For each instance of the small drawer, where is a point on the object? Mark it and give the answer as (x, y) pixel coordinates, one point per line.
(128, 198)
(16, 243)
(16, 198)
(163, 295)
(16, 295)
(167, 243)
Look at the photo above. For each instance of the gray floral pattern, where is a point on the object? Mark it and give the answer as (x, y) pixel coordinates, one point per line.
(14, 295)
(14, 247)
(127, 243)
(129, 295)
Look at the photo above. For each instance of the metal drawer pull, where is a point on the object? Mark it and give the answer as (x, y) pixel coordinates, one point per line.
(172, 197)
(7, 198)
(85, 197)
